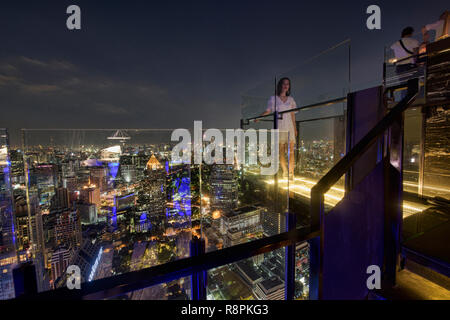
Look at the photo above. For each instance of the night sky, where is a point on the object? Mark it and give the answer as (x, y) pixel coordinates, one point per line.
(164, 64)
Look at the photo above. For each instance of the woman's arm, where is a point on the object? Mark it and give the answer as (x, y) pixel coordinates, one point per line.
(265, 113)
(269, 110)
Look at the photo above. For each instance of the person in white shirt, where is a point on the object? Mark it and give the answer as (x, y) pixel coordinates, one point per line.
(406, 47)
(283, 101)
(440, 27)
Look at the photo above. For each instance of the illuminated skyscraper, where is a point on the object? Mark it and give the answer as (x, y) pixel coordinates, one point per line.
(59, 262)
(223, 183)
(68, 228)
(152, 197)
(61, 199)
(241, 225)
(90, 195)
(8, 258)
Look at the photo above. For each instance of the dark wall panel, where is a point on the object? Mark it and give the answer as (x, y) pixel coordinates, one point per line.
(354, 239)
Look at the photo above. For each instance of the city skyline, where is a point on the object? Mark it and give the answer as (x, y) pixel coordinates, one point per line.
(212, 150)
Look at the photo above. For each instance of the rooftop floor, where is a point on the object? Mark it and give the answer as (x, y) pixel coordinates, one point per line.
(411, 286)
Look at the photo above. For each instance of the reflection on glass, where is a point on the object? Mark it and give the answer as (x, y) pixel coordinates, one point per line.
(437, 151)
(321, 146)
(412, 152)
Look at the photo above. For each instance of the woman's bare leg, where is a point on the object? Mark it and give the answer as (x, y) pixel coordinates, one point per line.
(283, 162)
(291, 159)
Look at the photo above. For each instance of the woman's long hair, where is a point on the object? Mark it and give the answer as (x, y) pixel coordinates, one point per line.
(280, 86)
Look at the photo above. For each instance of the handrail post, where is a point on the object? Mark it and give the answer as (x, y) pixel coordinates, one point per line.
(289, 275)
(316, 245)
(198, 279)
(275, 120)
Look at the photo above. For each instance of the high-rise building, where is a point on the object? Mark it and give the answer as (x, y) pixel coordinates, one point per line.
(128, 172)
(241, 225)
(8, 258)
(270, 289)
(59, 262)
(61, 199)
(88, 212)
(68, 228)
(224, 190)
(70, 183)
(98, 177)
(152, 195)
(87, 257)
(90, 195)
(273, 223)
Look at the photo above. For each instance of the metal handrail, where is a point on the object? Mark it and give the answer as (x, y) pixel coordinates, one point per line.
(315, 105)
(144, 278)
(306, 107)
(419, 55)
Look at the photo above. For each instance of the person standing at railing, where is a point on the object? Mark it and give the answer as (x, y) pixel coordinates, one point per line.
(441, 27)
(283, 101)
(406, 47)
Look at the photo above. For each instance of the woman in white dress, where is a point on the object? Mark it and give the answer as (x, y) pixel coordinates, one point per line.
(283, 101)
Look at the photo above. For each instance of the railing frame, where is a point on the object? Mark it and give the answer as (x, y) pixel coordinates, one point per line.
(124, 283)
(199, 264)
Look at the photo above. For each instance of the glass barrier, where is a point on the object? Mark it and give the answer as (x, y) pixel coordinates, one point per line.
(261, 277)
(437, 151)
(412, 150)
(258, 278)
(425, 170)
(8, 256)
(324, 77)
(245, 200)
(107, 201)
(242, 201)
(319, 87)
(322, 145)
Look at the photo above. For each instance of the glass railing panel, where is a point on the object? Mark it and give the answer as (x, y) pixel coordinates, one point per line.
(247, 200)
(324, 76)
(258, 278)
(319, 86)
(8, 255)
(108, 201)
(425, 171)
(261, 277)
(412, 150)
(321, 146)
(437, 153)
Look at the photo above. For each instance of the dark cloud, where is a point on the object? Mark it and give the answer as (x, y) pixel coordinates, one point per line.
(163, 64)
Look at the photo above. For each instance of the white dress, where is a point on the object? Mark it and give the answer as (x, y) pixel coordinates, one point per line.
(286, 123)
